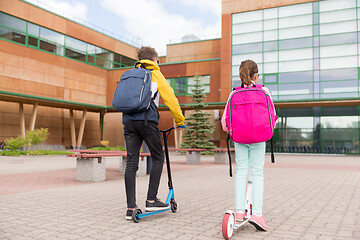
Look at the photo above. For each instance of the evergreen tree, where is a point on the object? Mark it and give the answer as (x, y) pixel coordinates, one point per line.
(199, 126)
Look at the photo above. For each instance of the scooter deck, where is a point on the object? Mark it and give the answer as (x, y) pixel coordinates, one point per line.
(238, 224)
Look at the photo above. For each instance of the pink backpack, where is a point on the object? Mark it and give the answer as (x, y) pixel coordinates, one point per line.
(250, 115)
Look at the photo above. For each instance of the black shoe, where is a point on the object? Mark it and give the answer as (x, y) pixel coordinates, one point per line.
(129, 213)
(156, 206)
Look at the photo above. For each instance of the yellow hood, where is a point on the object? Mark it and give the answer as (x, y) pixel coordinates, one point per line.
(150, 64)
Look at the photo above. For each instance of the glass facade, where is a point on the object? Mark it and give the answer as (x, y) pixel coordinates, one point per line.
(307, 51)
(183, 85)
(32, 35)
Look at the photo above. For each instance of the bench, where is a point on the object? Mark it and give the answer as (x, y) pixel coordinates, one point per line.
(192, 154)
(221, 155)
(90, 164)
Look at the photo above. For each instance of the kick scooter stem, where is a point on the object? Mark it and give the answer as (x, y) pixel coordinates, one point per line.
(165, 136)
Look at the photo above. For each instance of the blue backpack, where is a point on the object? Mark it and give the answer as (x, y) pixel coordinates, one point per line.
(133, 91)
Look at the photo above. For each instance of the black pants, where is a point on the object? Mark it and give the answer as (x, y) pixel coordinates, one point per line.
(135, 133)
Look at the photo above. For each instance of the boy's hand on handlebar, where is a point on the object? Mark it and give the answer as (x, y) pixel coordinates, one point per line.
(180, 127)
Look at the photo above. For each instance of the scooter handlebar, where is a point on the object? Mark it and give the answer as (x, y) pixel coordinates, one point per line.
(171, 128)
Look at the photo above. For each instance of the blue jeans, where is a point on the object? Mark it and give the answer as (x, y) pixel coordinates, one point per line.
(253, 154)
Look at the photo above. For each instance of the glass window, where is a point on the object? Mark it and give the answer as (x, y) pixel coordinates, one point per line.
(289, 66)
(295, 112)
(49, 35)
(33, 41)
(338, 39)
(338, 16)
(33, 29)
(339, 111)
(247, 17)
(295, 43)
(270, 35)
(339, 50)
(270, 13)
(51, 47)
(247, 48)
(235, 69)
(71, 53)
(247, 27)
(334, 87)
(336, 5)
(272, 78)
(202, 80)
(296, 54)
(338, 74)
(247, 38)
(270, 56)
(12, 35)
(339, 122)
(273, 90)
(338, 62)
(270, 24)
(75, 44)
(297, 88)
(236, 82)
(295, 21)
(299, 122)
(128, 61)
(237, 59)
(91, 49)
(12, 22)
(271, 46)
(293, 77)
(293, 10)
(184, 85)
(339, 95)
(339, 27)
(271, 67)
(295, 32)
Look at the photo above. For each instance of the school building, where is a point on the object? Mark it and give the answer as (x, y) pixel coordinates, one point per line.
(58, 74)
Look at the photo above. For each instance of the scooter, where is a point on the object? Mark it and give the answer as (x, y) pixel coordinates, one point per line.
(229, 223)
(138, 214)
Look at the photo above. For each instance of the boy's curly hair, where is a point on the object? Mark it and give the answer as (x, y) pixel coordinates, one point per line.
(147, 53)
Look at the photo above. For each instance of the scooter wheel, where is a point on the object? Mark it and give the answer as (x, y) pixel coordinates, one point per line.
(135, 215)
(228, 225)
(173, 206)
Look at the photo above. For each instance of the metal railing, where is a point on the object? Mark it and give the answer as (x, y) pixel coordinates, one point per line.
(135, 41)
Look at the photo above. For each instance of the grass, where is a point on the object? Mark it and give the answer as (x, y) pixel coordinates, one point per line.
(33, 152)
(117, 148)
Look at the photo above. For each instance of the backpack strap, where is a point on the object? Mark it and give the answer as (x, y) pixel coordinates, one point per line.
(272, 151)
(147, 111)
(137, 64)
(253, 85)
(228, 148)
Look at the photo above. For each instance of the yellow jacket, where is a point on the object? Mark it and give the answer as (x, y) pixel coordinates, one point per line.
(166, 92)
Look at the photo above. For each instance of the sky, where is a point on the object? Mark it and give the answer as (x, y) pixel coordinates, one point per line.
(152, 23)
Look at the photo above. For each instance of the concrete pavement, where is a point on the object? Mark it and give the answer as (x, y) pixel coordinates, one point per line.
(306, 197)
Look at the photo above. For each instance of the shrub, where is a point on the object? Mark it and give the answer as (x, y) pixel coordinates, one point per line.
(36, 136)
(15, 143)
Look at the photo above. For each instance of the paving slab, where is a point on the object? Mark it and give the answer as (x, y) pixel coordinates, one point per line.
(306, 197)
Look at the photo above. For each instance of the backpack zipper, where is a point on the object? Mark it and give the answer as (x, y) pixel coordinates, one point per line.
(142, 89)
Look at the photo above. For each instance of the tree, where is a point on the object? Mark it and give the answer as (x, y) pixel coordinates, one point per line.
(199, 125)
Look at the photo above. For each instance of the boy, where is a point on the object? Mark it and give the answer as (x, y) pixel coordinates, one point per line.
(136, 130)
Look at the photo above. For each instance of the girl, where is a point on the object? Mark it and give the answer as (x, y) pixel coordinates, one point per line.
(245, 154)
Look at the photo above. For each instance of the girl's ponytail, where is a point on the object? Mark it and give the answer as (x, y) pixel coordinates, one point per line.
(247, 71)
(245, 76)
